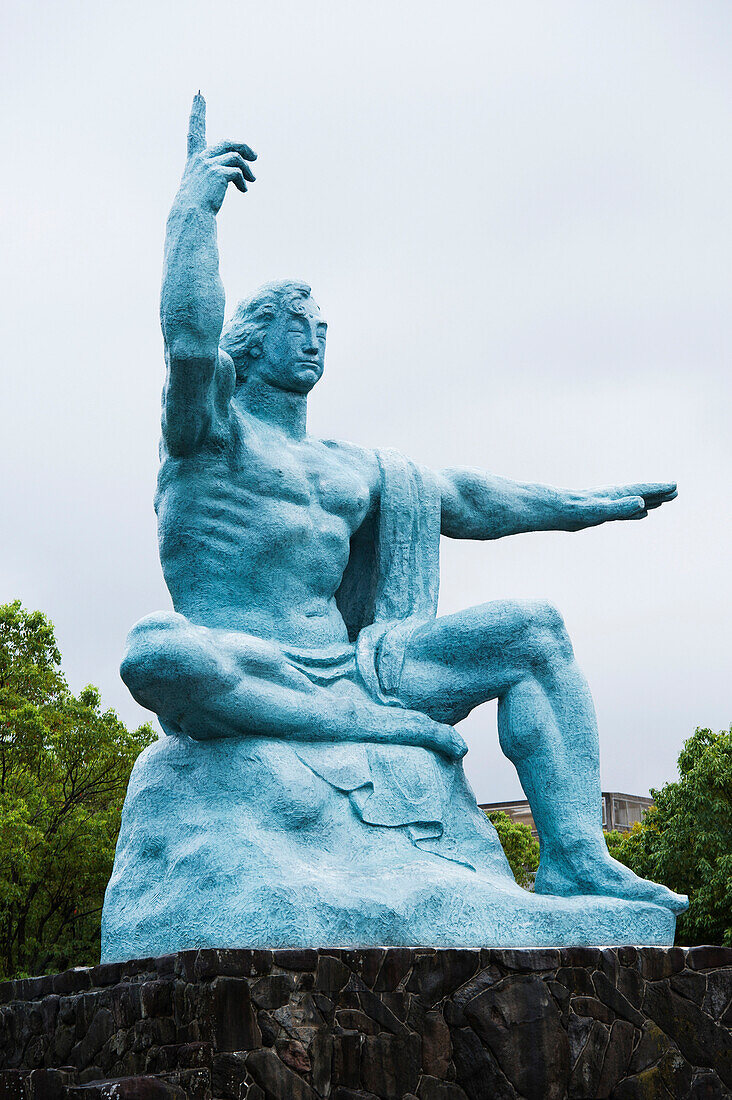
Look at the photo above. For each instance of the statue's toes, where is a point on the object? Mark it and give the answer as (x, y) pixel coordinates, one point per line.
(659, 894)
(635, 887)
(677, 903)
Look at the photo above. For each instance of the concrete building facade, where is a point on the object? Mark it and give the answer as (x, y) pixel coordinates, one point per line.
(619, 811)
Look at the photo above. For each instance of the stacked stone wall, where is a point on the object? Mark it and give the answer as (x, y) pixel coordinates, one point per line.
(622, 1023)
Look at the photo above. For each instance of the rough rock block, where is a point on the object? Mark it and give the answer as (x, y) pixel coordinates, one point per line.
(419, 1024)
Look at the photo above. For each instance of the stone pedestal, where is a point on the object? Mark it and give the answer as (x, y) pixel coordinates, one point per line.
(379, 1023)
(238, 841)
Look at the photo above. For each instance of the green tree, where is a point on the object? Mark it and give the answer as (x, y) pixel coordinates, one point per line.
(615, 841)
(64, 767)
(522, 851)
(685, 839)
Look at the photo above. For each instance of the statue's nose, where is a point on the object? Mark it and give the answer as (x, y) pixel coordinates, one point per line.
(311, 340)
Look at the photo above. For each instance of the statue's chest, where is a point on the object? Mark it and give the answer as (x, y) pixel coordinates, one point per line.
(308, 474)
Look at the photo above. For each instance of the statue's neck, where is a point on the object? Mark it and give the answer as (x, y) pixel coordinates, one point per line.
(280, 408)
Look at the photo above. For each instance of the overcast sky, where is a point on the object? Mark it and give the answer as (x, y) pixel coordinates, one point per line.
(517, 219)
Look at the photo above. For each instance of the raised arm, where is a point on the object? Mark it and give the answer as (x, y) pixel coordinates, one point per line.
(476, 505)
(192, 297)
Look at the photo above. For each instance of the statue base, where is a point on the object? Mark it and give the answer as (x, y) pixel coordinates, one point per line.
(379, 1024)
(237, 843)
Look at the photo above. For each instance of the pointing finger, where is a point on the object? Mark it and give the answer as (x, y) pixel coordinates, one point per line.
(197, 125)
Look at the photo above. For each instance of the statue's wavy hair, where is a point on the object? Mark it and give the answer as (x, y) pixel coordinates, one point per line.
(253, 315)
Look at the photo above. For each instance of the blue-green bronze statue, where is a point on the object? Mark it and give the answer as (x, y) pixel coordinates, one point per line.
(310, 789)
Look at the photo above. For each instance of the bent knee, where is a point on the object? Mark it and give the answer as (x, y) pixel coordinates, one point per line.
(544, 639)
(147, 639)
(543, 616)
(164, 655)
(169, 661)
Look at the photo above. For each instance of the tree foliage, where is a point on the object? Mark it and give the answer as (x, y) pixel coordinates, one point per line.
(64, 768)
(685, 839)
(522, 851)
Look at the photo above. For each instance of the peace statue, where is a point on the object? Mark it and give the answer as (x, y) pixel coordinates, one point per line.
(309, 789)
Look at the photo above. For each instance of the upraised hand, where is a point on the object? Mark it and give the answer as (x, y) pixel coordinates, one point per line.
(210, 170)
(591, 507)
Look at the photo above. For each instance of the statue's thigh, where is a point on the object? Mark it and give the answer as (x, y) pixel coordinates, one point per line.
(456, 662)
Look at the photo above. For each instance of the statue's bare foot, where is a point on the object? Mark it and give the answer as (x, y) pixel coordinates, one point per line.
(593, 871)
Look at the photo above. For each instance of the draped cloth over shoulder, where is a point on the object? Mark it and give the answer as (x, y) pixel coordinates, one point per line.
(393, 573)
(389, 589)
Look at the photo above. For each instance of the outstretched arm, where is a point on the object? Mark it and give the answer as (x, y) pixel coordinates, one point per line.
(192, 297)
(476, 505)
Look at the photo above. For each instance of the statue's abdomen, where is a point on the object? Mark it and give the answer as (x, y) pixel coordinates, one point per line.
(238, 558)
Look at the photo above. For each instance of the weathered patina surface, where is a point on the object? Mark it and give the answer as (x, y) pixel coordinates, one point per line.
(310, 789)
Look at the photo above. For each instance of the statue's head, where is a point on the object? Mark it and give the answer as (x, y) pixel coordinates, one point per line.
(278, 334)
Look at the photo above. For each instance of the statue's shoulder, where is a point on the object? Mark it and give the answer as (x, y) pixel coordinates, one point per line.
(365, 459)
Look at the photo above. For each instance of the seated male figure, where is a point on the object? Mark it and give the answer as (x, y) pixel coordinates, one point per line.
(259, 523)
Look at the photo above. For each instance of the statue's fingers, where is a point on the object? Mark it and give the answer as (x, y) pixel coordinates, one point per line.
(611, 492)
(233, 146)
(235, 160)
(648, 489)
(659, 498)
(645, 489)
(629, 507)
(197, 125)
(458, 746)
(656, 502)
(235, 176)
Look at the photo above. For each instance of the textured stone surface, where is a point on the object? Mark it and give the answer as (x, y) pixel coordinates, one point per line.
(309, 790)
(233, 860)
(376, 1024)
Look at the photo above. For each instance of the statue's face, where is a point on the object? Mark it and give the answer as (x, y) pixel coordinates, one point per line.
(293, 348)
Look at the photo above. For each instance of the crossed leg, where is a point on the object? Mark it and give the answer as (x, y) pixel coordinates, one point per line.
(211, 683)
(214, 683)
(520, 653)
